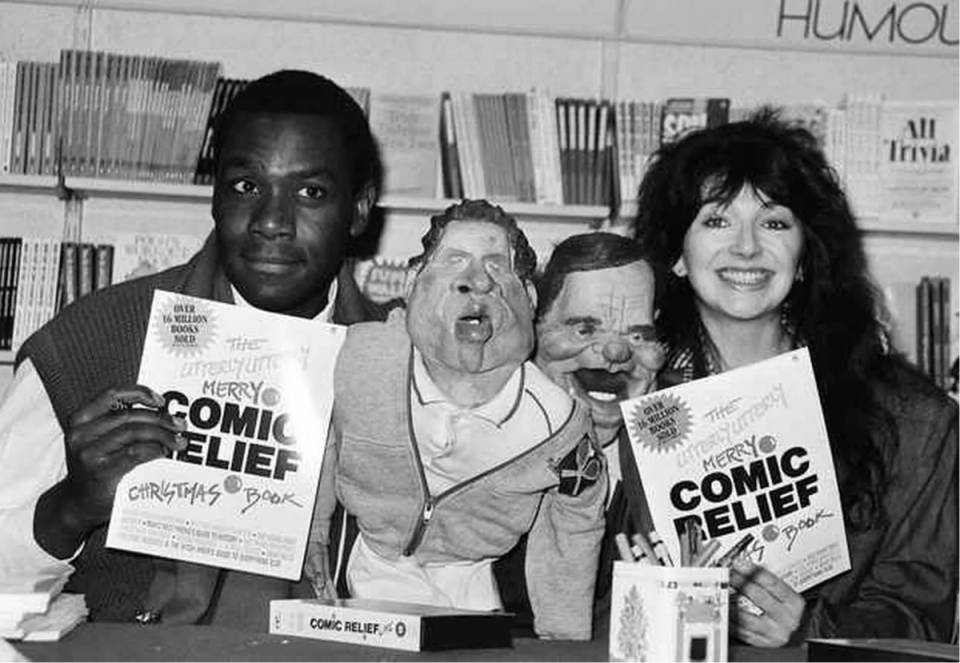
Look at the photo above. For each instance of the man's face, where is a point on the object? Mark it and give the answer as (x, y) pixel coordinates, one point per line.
(283, 210)
(468, 310)
(598, 340)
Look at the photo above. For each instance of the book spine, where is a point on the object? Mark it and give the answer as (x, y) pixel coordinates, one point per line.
(548, 115)
(320, 621)
(24, 286)
(32, 121)
(945, 332)
(563, 141)
(17, 149)
(452, 180)
(86, 268)
(6, 259)
(50, 272)
(469, 164)
(923, 326)
(68, 275)
(48, 162)
(103, 274)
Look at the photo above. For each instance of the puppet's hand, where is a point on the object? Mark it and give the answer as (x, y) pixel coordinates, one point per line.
(316, 568)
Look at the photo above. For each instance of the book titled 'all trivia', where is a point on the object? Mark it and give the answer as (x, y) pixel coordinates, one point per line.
(256, 391)
(745, 452)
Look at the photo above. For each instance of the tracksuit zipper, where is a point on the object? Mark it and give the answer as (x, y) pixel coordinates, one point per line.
(430, 502)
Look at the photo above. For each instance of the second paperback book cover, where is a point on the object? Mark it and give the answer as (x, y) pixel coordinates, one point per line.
(745, 452)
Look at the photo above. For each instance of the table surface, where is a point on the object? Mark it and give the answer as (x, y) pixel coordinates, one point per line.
(132, 642)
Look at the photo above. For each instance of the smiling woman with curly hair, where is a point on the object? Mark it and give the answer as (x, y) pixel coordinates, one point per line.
(757, 252)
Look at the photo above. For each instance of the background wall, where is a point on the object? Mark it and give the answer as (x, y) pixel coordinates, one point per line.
(747, 50)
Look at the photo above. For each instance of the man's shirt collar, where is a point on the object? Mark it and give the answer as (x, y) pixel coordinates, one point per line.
(497, 410)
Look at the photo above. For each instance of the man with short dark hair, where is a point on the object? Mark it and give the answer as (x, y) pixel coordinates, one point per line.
(450, 444)
(297, 174)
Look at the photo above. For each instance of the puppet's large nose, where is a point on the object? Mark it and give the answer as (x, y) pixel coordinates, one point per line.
(474, 279)
(616, 351)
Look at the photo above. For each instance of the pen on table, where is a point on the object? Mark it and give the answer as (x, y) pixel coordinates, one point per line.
(660, 549)
(727, 558)
(703, 557)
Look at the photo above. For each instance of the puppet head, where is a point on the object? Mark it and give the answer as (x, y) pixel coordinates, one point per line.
(471, 300)
(595, 325)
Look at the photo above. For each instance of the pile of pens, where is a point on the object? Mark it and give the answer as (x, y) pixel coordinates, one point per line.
(694, 551)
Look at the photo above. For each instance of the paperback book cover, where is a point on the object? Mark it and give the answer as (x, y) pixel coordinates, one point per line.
(139, 254)
(745, 451)
(256, 390)
(390, 624)
(918, 175)
(682, 115)
(406, 127)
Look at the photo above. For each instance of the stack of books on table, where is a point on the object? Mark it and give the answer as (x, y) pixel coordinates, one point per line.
(36, 608)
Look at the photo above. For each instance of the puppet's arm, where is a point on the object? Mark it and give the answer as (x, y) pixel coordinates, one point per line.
(316, 564)
(564, 548)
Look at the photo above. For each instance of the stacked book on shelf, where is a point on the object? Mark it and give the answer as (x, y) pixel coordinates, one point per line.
(29, 272)
(84, 267)
(38, 609)
(132, 117)
(528, 147)
(920, 320)
(933, 329)
(97, 114)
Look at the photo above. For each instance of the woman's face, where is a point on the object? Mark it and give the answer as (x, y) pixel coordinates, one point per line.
(742, 258)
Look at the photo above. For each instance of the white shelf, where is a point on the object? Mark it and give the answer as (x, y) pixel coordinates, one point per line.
(29, 183)
(875, 226)
(89, 187)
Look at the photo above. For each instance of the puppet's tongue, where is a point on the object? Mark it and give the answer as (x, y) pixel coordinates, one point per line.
(474, 328)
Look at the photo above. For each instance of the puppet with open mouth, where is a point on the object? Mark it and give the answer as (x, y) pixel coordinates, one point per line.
(452, 445)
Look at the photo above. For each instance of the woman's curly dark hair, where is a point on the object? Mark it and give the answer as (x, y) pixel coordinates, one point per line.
(835, 309)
